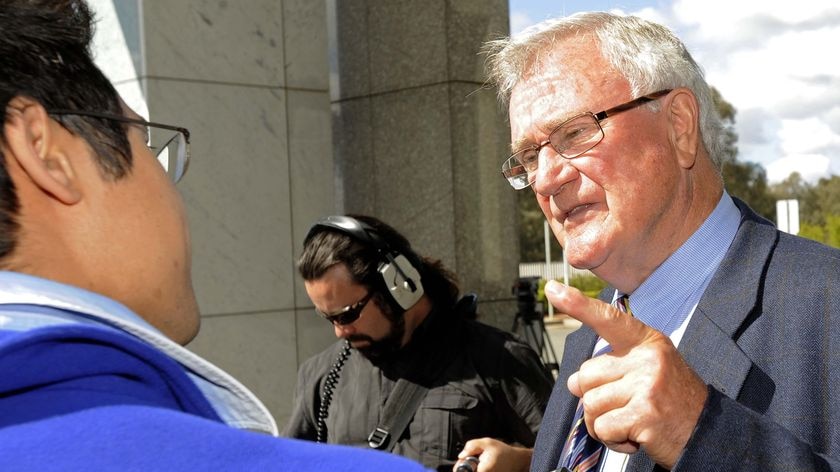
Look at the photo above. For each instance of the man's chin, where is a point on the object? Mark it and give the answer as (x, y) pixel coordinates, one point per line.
(584, 258)
(376, 351)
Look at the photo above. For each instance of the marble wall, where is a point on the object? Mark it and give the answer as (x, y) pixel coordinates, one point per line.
(302, 108)
(251, 84)
(419, 138)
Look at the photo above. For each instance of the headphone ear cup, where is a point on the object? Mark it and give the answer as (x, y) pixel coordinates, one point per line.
(406, 291)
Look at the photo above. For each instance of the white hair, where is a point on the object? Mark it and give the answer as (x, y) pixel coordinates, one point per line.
(648, 55)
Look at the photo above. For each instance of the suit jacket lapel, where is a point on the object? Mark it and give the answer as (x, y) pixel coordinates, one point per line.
(561, 406)
(728, 306)
(725, 309)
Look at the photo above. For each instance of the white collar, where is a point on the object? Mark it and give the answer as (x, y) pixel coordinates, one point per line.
(235, 404)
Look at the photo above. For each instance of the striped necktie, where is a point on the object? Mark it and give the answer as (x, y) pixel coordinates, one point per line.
(582, 453)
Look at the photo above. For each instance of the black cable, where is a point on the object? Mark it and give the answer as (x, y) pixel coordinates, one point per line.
(329, 386)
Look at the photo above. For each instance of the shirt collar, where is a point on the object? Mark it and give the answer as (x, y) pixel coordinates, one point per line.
(234, 403)
(668, 296)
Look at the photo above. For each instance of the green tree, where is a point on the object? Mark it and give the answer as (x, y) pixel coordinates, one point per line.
(531, 232)
(819, 206)
(810, 231)
(745, 180)
(727, 115)
(832, 230)
(827, 196)
(748, 181)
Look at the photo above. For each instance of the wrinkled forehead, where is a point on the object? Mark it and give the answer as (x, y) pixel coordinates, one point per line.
(568, 79)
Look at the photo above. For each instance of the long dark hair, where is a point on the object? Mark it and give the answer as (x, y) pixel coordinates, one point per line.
(327, 247)
(45, 51)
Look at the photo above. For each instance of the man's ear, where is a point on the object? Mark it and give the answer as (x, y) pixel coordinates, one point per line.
(34, 140)
(684, 120)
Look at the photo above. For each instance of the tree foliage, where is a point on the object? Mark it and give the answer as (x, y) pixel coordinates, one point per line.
(531, 232)
(819, 206)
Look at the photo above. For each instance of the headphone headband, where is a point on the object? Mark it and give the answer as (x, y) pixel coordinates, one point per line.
(400, 276)
(350, 226)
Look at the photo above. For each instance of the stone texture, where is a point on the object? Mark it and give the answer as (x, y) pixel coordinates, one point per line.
(258, 349)
(470, 24)
(486, 235)
(355, 164)
(237, 192)
(215, 40)
(304, 32)
(405, 138)
(311, 169)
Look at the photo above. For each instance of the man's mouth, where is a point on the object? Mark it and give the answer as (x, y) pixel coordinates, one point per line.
(574, 211)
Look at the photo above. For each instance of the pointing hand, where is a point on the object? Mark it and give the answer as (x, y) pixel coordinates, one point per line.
(642, 393)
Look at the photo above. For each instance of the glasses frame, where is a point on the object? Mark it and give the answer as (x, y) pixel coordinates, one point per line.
(149, 124)
(597, 117)
(348, 314)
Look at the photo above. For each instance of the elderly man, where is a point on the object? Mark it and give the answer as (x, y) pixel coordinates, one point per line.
(717, 351)
(95, 289)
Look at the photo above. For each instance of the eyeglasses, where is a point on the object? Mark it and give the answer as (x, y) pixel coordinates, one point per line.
(348, 314)
(569, 139)
(170, 144)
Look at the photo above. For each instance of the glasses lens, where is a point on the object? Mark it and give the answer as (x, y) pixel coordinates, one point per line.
(349, 315)
(520, 169)
(576, 136)
(172, 151)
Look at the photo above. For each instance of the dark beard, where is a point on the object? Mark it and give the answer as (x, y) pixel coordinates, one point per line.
(384, 348)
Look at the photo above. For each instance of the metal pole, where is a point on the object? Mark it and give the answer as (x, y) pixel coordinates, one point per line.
(549, 273)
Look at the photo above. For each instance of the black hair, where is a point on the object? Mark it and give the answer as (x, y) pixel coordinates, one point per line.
(45, 55)
(327, 247)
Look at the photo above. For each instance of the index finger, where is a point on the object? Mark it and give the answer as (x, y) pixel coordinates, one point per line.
(618, 328)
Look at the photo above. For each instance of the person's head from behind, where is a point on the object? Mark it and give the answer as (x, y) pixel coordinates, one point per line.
(614, 128)
(341, 267)
(83, 200)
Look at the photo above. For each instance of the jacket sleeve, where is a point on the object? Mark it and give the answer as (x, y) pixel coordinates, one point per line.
(302, 422)
(526, 385)
(729, 437)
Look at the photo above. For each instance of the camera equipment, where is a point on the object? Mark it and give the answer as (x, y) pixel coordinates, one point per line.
(530, 319)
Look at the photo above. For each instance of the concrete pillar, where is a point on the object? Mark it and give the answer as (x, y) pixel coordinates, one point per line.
(251, 83)
(409, 135)
(418, 138)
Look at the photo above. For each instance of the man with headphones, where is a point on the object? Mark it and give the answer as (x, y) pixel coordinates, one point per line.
(412, 373)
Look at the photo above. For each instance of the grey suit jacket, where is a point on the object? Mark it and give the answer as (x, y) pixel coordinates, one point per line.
(764, 337)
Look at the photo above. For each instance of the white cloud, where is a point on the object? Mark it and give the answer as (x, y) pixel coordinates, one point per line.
(806, 136)
(810, 166)
(774, 61)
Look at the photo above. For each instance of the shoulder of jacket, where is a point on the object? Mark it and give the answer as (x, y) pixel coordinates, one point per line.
(322, 361)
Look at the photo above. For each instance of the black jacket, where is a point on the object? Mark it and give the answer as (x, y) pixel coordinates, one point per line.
(483, 382)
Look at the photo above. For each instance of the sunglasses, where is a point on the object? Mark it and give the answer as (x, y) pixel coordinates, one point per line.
(347, 314)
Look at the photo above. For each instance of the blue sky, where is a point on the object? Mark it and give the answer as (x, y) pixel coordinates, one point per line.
(774, 60)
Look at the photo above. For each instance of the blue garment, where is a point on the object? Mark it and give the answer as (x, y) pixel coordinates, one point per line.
(79, 393)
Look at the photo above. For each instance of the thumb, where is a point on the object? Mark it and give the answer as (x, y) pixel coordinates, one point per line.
(618, 328)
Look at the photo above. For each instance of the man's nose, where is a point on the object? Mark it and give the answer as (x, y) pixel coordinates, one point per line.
(343, 331)
(553, 172)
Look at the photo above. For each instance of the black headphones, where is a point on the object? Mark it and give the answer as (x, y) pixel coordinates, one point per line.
(401, 278)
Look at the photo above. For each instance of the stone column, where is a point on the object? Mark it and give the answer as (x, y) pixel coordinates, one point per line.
(413, 138)
(419, 139)
(250, 80)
